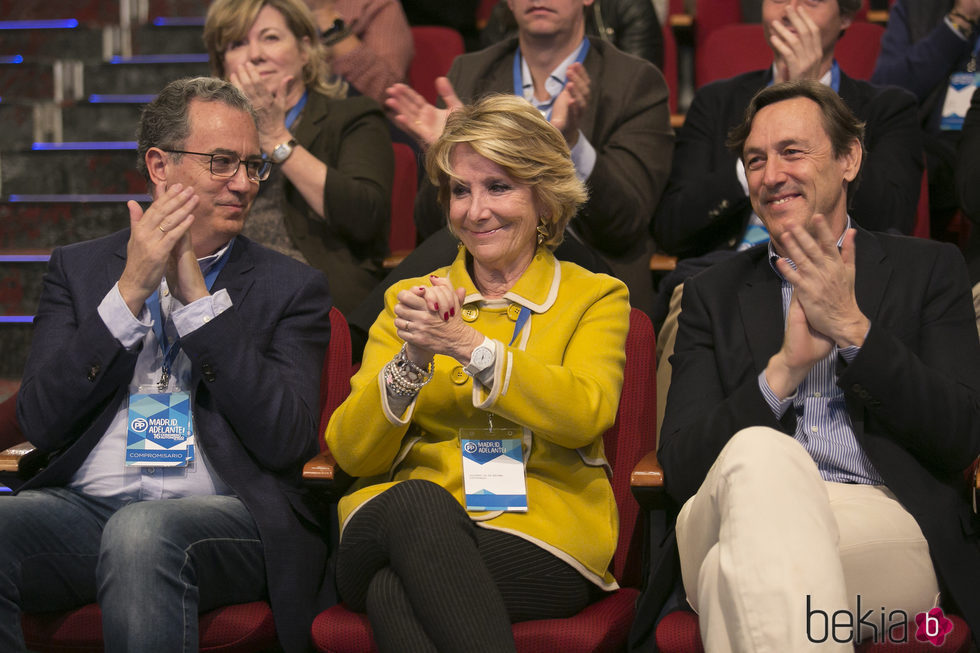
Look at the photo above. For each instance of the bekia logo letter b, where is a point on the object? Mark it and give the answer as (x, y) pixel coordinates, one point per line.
(932, 627)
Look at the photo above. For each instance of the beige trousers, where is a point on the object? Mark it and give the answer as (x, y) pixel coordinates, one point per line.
(770, 552)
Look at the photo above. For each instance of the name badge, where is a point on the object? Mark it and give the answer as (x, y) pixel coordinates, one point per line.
(493, 470)
(957, 102)
(160, 430)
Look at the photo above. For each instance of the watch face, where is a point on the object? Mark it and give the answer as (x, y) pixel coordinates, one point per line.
(281, 152)
(482, 357)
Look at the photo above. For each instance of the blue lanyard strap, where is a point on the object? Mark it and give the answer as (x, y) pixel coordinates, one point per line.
(519, 76)
(835, 77)
(293, 113)
(522, 319)
(170, 350)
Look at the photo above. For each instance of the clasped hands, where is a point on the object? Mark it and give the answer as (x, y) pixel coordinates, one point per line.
(160, 244)
(823, 310)
(429, 320)
(425, 122)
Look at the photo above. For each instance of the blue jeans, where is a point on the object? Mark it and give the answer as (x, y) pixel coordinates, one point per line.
(151, 565)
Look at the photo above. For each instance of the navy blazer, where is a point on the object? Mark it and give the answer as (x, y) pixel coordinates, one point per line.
(913, 391)
(255, 372)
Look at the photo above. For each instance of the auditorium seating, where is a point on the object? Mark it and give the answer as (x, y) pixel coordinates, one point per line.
(740, 47)
(401, 240)
(435, 49)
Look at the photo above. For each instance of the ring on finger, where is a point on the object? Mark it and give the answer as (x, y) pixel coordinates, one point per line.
(160, 227)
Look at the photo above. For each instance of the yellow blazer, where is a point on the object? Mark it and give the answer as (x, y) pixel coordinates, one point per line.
(559, 382)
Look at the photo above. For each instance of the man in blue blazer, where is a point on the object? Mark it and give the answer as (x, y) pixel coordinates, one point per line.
(825, 400)
(173, 382)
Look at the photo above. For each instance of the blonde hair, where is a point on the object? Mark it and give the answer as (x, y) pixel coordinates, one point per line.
(228, 21)
(508, 131)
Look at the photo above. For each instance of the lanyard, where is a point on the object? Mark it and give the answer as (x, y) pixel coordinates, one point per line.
(293, 113)
(171, 350)
(519, 76)
(519, 324)
(835, 77)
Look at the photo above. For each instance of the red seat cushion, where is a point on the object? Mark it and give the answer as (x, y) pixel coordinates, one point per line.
(78, 630)
(602, 626)
(242, 628)
(338, 630)
(678, 633)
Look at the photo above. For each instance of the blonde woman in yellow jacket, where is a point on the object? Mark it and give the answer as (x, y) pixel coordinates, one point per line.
(507, 349)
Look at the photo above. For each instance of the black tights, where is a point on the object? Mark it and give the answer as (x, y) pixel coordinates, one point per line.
(430, 579)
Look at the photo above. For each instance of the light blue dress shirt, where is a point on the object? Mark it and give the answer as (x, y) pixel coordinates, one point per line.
(583, 154)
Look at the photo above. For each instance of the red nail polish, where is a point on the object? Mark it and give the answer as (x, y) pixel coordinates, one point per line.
(445, 317)
(452, 312)
(437, 306)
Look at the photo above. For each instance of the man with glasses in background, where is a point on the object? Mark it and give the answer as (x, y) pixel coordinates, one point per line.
(173, 382)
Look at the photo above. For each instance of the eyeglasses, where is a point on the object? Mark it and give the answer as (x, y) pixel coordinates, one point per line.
(225, 165)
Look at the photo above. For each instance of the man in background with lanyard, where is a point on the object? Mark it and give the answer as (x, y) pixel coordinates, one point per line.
(173, 382)
(611, 107)
(932, 47)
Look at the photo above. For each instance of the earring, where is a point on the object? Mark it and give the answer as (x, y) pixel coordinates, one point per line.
(542, 233)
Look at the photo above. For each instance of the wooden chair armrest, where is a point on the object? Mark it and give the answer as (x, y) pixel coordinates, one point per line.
(647, 484)
(391, 262)
(11, 459)
(320, 468)
(879, 16)
(20, 462)
(323, 475)
(680, 20)
(662, 262)
(648, 473)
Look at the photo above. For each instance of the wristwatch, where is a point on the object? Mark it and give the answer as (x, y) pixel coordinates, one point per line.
(481, 358)
(282, 151)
